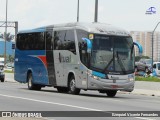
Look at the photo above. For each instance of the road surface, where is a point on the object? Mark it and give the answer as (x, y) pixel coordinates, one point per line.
(16, 97)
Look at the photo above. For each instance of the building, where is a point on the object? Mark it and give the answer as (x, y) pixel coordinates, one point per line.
(145, 39)
(9, 50)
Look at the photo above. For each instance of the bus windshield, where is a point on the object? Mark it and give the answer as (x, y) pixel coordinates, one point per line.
(112, 54)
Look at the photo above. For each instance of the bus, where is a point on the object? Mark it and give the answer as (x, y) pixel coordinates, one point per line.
(76, 56)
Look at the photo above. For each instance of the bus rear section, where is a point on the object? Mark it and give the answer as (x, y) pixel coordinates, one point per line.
(33, 60)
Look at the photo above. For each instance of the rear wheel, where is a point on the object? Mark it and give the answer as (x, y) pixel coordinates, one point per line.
(72, 86)
(2, 80)
(31, 85)
(111, 93)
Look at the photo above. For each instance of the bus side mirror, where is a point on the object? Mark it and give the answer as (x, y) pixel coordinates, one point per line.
(87, 44)
(139, 47)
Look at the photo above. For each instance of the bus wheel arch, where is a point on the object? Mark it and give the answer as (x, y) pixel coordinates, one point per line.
(31, 85)
(72, 85)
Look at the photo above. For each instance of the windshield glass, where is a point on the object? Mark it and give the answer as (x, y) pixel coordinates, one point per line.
(112, 54)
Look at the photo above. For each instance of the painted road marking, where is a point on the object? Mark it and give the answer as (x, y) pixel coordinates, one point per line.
(55, 103)
(61, 104)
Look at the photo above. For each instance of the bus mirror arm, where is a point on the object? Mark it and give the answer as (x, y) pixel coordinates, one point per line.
(139, 47)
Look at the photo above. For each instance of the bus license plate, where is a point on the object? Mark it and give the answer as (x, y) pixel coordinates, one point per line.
(114, 86)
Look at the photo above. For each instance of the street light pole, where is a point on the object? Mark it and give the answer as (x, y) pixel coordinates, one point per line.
(96, 11)
(5, 34)
(78, 11)
(152, 42)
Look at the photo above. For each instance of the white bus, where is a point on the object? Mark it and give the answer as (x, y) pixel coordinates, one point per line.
(76, 56)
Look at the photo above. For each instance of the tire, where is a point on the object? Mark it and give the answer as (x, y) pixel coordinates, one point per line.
(32, 86)
(111, 93)
(72, 86)
(2, 80)
(62, 89)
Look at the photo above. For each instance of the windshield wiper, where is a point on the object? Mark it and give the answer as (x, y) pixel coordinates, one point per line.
(120, 63)
(108, 65)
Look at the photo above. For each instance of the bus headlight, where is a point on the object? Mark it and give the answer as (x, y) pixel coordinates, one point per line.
(95, 77)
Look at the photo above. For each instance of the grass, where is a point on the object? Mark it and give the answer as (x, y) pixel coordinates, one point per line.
(8, 71)
(148, 79)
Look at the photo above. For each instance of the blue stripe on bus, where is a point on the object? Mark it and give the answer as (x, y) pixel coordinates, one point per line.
(98, 74)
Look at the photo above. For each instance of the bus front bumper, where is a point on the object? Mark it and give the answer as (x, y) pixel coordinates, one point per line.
(107, 84)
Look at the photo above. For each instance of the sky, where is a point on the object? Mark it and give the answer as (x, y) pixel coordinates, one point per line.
(127, 14)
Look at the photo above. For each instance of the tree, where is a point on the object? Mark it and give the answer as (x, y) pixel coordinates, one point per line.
(137, 58)
(9, 36)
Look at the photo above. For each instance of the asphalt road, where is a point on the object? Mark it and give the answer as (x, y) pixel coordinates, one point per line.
(16, 97)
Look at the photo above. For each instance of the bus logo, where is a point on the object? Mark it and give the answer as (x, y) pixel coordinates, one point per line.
(151, 10)
(64, 59)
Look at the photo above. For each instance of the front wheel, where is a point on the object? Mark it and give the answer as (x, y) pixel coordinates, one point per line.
(32, 86)
(111, 93)
(72, 86)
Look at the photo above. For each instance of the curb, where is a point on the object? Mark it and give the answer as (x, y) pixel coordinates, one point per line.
(143, 92)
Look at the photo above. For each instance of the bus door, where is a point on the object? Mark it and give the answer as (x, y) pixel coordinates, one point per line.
(59, 54)
(50, 58)
(82, 71)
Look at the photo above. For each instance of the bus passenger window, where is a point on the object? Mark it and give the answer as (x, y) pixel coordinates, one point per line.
(70, 41)
(49, 42)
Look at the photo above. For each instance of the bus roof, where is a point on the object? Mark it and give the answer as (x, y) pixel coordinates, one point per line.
(100, 28)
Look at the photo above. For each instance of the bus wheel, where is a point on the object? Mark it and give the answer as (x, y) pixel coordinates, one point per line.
(32, 86)
(62, 89)
(111, 93)
(72, 86)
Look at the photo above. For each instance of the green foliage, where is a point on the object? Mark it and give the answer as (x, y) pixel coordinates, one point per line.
(137, 58)
(8, 71)
(148, 79)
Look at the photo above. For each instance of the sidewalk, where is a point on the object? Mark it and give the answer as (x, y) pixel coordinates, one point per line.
(147, 88)
(141, 87)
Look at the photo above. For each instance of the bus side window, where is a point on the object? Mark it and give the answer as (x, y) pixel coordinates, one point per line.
(49, 42)
(70, 41)
(59, 37)
(20, 41)
(41, 41)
